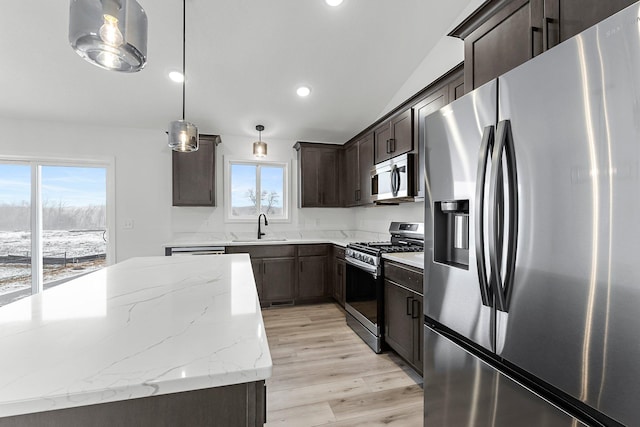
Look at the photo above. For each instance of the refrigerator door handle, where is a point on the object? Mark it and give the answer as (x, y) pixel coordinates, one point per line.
(485, 149)
(502, 287)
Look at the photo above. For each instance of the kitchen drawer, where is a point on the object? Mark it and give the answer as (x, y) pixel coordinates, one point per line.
(313, 250)
(404, 275)
(264, 251)
(338, 252)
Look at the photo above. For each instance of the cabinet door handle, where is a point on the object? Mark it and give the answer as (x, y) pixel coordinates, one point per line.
(415, 305)
(357, 195)
(392, 145)
(409, 306)
(388, 149)
(534, 30)
(548, 21)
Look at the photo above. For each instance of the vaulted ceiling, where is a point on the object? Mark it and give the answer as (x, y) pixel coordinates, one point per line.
(244, 59)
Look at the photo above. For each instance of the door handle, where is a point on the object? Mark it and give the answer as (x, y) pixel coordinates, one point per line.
(392, 145)
(388, 147)
(502, 286)
(395, 180)
(534, 30)
(414, 309)
(547, 22)
(409, 306)
(483, 158)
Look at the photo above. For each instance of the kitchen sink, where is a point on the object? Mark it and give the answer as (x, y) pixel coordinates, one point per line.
(260, 240)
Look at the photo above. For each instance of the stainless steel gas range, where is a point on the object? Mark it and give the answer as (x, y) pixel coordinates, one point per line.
(364, 293)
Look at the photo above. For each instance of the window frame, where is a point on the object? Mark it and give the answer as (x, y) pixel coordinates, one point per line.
(286, 196)
(36, 163)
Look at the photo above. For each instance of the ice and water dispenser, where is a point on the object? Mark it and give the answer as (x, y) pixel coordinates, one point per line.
(451, 233)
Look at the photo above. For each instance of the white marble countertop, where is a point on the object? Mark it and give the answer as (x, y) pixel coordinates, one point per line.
(146, 326)
(414, 259)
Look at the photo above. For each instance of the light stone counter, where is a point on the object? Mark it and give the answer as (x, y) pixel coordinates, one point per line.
(144, 327)
(414, 259)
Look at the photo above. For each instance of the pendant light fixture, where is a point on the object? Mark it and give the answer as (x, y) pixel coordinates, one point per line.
(111, 34)
(260, 147)
(183, 136)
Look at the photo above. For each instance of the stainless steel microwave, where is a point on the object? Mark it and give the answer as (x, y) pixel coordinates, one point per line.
(393, 181)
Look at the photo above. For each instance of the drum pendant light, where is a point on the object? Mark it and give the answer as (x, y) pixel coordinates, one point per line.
(111, 34)
(183, 136)
(260, 147)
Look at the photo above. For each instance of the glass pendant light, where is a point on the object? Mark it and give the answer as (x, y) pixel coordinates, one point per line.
(111, 34)
(183, 136)
(260, 147)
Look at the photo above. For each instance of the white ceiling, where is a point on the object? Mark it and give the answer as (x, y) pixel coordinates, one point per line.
(245, 59)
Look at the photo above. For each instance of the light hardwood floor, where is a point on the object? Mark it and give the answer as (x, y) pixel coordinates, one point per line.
(323, 374)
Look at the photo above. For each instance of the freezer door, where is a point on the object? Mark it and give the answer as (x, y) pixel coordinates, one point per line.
(457, 141)
(462, 390)
(573, 317)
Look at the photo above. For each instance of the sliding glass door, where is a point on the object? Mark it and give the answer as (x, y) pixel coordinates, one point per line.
(15, 232)
(53, 225)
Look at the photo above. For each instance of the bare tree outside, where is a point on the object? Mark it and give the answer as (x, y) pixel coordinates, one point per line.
(268, 200)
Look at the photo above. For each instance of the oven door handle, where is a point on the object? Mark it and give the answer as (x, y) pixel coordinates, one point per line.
(362, 266)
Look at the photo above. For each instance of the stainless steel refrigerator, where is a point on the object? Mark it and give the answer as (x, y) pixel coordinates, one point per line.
(532, 288)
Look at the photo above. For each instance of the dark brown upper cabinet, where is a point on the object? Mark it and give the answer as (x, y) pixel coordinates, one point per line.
(430, 104)
(358, 162)
(566, 18)
(319, 175)
(194, 174)
(393, 136)
(503, 34)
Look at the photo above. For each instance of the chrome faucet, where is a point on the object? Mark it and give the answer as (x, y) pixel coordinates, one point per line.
(260, 233)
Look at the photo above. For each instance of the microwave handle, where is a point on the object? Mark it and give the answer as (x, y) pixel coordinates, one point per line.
(395, 180)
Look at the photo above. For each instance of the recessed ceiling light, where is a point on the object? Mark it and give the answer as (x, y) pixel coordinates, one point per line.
(176, 76)
(333, 2)
(303, 91)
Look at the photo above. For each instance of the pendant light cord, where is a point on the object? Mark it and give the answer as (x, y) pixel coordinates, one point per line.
(184, 72)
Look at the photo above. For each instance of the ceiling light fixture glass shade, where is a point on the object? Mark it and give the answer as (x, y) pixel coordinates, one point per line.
(183, 136)
(111, 34)
(260, 147)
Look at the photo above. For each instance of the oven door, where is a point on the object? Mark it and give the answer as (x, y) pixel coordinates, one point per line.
(363, 303)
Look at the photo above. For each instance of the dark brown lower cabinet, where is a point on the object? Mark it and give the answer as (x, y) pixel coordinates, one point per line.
(313, 276)
(287, 274)
(339, 278)
(240, 405)
(403, 313)
(274, 270)
(278, 278)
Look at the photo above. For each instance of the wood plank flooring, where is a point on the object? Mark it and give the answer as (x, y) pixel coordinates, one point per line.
(325, 375)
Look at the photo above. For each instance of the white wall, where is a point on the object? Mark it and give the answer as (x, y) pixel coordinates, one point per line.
(142, 172)
(211, 220)
(377, 218)
(445, 55)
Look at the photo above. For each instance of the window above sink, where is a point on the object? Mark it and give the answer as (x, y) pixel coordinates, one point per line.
(253, 188)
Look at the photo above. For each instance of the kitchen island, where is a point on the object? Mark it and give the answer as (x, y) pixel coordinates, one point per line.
(149, 341)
